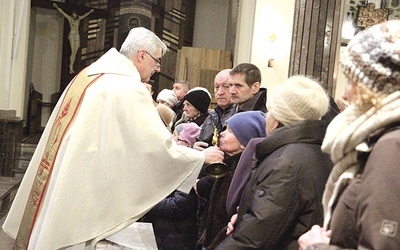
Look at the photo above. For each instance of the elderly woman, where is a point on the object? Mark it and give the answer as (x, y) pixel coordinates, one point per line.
(241, 128)
(363, 189)
(174, 219)
(195, 106)
(167, 97)
(282, 199)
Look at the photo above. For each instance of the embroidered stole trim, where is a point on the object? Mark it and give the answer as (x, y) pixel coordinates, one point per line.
(65, 116)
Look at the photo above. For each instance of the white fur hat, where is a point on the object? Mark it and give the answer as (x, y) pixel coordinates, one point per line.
(298, 98)
(168, 96)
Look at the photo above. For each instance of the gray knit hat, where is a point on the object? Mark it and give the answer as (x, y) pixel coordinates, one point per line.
(373, 57)
(298, 98)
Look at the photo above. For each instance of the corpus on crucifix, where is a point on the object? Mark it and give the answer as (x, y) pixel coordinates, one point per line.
(73, 36)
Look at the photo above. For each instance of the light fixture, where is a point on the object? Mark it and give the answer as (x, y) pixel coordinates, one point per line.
(271, 60)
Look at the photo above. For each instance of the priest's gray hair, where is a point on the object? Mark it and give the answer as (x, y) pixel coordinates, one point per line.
(142, 39)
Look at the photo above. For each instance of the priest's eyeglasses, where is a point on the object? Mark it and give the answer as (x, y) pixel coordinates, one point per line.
(158, 60)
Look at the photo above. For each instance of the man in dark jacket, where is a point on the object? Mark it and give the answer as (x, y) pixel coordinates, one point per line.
(224, 109)
(283, 197)
(245, 88)
(242, 85)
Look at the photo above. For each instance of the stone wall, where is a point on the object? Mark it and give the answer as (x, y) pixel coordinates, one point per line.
(10, 141)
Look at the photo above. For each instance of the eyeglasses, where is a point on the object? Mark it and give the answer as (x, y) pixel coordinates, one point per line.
(155, 59)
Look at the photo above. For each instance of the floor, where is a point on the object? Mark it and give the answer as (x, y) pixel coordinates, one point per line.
(8, 189)
(5, 241)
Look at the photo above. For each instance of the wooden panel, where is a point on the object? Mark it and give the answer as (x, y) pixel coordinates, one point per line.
(297, 37)
(190, 62)
(320, 44)
(315, 37)
(306, 36)
(315, 40)
(335, 48)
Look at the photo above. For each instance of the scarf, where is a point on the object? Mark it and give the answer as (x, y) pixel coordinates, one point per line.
(346, 137)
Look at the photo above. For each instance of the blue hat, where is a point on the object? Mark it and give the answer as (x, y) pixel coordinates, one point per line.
(247, 125)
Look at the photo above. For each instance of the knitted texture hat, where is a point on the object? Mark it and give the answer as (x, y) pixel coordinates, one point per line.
(247, 125)
(168, 96)
(199, 99)
(189, 133)
(298, 98)
(179, 128)
(373, 58)
(200, 88)
(167, 115)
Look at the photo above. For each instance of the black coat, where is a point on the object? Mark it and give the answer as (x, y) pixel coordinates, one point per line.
(216, 217)
(216, 119)
(283, 197)
(174, 221)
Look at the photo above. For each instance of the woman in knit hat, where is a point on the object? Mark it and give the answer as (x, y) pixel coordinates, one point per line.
(282, 199)
(241, 127)
(188, 134)
(174, 219)
(167, 97)
(363, 188)
(195, 108)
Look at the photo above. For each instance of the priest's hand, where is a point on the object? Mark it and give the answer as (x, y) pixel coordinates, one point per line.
(213, 154)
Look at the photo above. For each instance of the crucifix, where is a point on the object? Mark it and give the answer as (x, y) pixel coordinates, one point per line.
(74, 39)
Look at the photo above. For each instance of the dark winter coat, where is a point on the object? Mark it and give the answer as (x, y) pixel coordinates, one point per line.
(283, 197)
(215, 217)
(216, 119)
(257, 102)
(174, 221)
(363, 216)
(241, 176)
(243, 170)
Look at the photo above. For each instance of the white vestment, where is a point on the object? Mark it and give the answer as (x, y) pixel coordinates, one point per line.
(116, 161)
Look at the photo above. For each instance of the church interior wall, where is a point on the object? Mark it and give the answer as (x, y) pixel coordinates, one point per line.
(46, 50)
(271, 19)
(210, 13)
(14, 21)
(272, 40)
